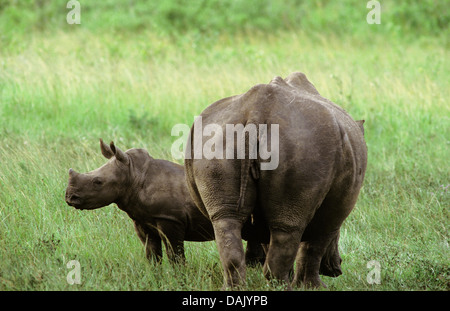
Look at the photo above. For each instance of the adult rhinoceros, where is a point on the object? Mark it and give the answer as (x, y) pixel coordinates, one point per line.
(301, 194)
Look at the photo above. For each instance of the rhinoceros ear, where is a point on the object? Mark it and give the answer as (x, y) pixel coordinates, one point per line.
(120, 155)
(106, 151)
(361, 125)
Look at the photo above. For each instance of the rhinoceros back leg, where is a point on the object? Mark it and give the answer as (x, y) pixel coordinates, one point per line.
(281, 255)
(330, 264)
(318, 252)
(310, 260)
(289, 209)
(218, 184)
(231, 250)
(287, 221)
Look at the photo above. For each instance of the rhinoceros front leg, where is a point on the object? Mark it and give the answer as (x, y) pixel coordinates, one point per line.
(229, 243)
(152, 242)
(172, 234)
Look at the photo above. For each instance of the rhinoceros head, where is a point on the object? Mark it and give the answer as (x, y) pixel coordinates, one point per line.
(102, 186)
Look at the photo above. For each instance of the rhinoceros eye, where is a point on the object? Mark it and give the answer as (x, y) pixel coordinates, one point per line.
(97, 181)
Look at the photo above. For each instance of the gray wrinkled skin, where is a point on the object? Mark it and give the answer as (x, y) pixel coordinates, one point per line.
(297, 208)
(154, 194)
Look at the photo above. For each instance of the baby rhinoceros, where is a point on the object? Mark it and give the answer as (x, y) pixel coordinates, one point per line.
(152, 192)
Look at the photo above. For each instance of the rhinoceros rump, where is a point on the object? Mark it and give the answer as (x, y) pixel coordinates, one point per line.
(322, 159)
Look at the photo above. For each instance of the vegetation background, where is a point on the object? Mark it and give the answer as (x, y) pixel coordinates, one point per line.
(133, 69)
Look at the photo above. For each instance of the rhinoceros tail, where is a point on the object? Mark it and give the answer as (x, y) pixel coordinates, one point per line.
(245, 172)
(249, 166)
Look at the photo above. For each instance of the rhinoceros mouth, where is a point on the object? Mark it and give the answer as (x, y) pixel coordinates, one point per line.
(82, 205)
(76, 205)
(74, 201)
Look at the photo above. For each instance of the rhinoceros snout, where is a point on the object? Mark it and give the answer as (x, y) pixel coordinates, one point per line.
(73, 200)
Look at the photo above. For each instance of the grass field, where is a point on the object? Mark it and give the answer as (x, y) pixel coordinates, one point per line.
(63, 87)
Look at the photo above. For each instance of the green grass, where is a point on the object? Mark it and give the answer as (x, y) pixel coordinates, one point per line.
(62, 88)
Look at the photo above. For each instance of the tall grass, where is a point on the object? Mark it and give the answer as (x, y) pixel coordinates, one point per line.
(174, 17)
(61, 89)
